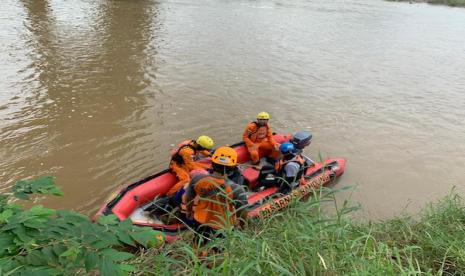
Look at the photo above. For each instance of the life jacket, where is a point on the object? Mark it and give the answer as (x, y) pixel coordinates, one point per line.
(281, 164)
(259, 133)
(213, 202)
(176, 157)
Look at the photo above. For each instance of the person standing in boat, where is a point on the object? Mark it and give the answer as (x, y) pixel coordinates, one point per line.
(259, 136)
(184, 159)
(291, 168)
(212, 201)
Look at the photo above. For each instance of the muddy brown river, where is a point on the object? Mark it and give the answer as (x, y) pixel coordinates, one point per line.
(97, 92)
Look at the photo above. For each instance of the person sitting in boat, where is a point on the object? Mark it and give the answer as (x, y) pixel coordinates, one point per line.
(258, 135)
(291, 168)
(184, 159)
(212, 201)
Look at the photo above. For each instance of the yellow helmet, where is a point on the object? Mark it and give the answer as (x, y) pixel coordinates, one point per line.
(225, 156)
(263, 115)
(205, 142)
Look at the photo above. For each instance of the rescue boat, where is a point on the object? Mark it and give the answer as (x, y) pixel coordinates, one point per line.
(131, 201)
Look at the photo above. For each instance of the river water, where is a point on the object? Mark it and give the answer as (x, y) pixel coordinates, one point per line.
(96, 93)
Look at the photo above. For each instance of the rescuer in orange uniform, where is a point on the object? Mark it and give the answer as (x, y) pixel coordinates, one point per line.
(212, 201)
(184, 159)
(258, 135)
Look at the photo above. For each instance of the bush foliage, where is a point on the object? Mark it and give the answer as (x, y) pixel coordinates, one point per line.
(43, 241)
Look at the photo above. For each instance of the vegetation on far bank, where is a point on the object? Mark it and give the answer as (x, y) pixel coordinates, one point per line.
(301, 240)
(452, 3)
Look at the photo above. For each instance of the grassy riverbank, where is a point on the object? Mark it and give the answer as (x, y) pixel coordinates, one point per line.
(452, 3)
(307, 238)
(303, 240)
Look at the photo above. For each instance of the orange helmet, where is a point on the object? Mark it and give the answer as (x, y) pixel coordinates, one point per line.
(225, 156)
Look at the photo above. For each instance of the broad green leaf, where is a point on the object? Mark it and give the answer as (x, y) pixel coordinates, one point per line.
(86, 228)
(40, 271)
(106, 240)
(50, 255)
(58, 249)
(39, 210)
(125, 224)
(5, 215)
(143, 237)
(10, 265)
(116, 255)
(21, 233)
(72, 216)
(80, 258)
(91, 261)
(6, 240)
(109, 238)
(108, 220)
(126, 267)
(35, 258)
(100, 244)
(90, 238)
(125, 238)
(56, 231)
(11, 225)
(36, 224)
(72, 252)
(109, 268)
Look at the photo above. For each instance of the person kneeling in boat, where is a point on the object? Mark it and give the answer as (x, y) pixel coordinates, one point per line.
(258, 135)
(184, 159)
(290, 169)
(212, 201)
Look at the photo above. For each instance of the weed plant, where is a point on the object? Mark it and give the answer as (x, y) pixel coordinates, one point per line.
(304, 240)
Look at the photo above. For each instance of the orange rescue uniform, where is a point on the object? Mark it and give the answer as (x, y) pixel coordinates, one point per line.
(259, 137)
(211, 201)
(183, 160)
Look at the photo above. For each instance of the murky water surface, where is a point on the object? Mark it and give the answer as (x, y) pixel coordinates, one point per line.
(97, 92)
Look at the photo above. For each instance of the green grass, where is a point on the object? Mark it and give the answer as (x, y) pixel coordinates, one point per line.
(452, 3)
(305, 240)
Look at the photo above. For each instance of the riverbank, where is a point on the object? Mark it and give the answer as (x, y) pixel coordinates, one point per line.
(316, 236)
(452, 3)
(303, 240)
